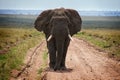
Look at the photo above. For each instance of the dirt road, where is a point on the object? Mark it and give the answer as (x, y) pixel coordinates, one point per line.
(83, 61)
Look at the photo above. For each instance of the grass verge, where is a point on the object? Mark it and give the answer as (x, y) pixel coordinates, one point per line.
(43, 66)
(27, 38)
(45, 57)
(105, 39)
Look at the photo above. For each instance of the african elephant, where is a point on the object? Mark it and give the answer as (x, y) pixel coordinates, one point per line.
(58, 25)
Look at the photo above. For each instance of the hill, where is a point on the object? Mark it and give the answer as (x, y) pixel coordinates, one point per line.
(20, 20)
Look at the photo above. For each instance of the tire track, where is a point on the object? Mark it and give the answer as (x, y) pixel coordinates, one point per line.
(86, 63)
(83, 62)
(30, 68)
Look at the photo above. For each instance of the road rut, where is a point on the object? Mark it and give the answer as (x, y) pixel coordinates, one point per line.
(83, 62)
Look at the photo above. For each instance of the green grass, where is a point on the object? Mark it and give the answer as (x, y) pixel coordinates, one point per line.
(106, 39)
(44, 57)
(13, 59)
(43, 66)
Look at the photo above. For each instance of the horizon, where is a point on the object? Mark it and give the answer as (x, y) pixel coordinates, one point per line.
(55, 8)
(82, 13)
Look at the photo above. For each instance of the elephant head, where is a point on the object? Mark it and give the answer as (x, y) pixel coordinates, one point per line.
(44, 20)
(58, 25)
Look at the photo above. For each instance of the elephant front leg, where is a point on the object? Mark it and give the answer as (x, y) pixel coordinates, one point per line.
(52, 53)
(60, 46)
(66, 44)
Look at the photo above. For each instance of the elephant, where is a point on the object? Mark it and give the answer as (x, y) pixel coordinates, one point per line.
(58, 25)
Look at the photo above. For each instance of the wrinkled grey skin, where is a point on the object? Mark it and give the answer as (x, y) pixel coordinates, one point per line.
(58, 23)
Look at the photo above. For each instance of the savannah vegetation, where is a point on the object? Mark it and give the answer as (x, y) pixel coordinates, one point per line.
(17, 35)
(14, 44)
(104, 39)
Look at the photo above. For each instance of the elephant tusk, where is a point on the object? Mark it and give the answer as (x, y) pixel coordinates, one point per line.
(70, 37)
(49, 38)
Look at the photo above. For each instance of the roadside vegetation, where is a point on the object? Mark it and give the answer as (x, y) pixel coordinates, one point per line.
(105, 39)
(16, 42)
(43, 66)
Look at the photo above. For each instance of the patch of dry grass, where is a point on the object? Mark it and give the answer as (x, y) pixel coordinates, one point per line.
(106, 39)
(26, 39)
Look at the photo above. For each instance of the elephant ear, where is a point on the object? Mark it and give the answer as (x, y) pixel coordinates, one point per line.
(42, 20)
(75, 21)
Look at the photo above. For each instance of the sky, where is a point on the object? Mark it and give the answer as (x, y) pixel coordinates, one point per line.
(51, 4)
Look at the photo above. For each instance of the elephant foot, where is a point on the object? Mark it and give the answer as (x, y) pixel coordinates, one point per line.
(60, 68)
(51, 65)
(57, 68)
(63, 68)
